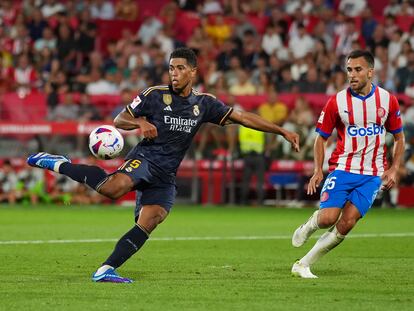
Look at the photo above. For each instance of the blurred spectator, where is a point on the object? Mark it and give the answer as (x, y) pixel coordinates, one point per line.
(352, 8)
(379, 38)
(369, 24)
(8, 183)
(136, 81)
(149, 28)
(301, 44)
(346, 37)
(197, 39)
(286, 84)
(250, 50)
(271, 41)
(126, 99)
(252, 148)
(264, 85)
(31, 186)
(20, 42)
(8, 12)
(300, 120)
(219, 31)
(36, 25)
(402, 58)
(405, 75)
(227, 53)
(211, 7)
(102, 9)
(278, 19)
(66, 52)
(312, 83)
(57, 84)
(395, 45)
(85, 37)
(274, 110)
(321, 35)
(65, 111)
(47, 40)
(51, 7)
(243, 25)
(243, 86)
(389, 25)
(337, 83)
(98, 85)
(392, 8)
(165, 43)
(87, 112)
(126, 10)
(24, 78)
(406, 8)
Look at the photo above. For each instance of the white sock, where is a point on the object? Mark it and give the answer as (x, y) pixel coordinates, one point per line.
(103, 269)
(312, 224)
(328, 241)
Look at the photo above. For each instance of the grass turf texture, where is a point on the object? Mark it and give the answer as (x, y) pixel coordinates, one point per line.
(373, 273)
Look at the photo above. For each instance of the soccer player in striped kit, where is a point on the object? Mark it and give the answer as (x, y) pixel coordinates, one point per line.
(361, 114)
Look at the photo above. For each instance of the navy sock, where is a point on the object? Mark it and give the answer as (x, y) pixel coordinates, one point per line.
(93, 176)
(127, 246)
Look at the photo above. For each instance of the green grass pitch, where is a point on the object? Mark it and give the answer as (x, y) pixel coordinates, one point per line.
(225, 258)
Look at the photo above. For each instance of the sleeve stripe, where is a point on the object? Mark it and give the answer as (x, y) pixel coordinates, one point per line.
(226, 116)
(396, 131)
(130, 111)
(152, 88)
(322, 133)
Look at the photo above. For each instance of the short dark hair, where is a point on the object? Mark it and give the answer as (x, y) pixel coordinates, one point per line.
(365, 54)
(187, 54)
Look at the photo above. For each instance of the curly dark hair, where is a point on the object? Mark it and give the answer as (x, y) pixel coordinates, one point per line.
(187, 54)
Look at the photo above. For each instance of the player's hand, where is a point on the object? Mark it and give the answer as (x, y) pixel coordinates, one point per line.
(389, 179)
(293, 138)
(148, 129)
(314, 182)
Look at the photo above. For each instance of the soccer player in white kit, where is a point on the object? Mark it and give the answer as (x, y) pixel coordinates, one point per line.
(361, 114)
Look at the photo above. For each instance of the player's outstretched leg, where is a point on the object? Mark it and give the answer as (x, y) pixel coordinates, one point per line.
(302, 234)
(91, 175)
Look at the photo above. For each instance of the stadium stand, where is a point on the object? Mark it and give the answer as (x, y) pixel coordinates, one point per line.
(91, 44)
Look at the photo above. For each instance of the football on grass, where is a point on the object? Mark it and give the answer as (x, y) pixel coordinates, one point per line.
(106, 142)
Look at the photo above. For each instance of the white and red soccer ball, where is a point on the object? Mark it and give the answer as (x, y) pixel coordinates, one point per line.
(106, 142)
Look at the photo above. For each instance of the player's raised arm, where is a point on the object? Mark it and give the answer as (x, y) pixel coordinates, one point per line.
(124, 120)
(256, 122)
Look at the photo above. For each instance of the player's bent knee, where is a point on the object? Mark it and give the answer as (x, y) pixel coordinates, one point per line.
(327, 221)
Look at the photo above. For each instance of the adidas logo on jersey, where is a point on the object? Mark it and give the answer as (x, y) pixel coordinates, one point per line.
(168, 108)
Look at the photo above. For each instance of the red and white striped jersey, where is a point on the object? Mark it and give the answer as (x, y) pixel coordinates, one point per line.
(361, 123)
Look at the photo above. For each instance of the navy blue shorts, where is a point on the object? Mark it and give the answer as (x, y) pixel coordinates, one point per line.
(151, 187)
(341, 187)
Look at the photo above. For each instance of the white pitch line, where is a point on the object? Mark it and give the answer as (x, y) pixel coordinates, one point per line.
(207, 238)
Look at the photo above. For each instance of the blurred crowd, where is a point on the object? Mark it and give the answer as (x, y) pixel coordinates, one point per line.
(255, 47)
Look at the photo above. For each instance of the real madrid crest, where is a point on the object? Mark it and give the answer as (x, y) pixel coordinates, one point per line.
(167, 99)
(196, 110)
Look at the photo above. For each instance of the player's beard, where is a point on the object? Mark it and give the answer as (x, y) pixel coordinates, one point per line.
(358, 89)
